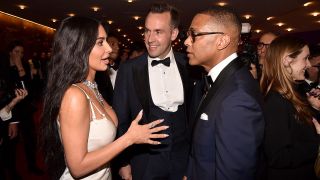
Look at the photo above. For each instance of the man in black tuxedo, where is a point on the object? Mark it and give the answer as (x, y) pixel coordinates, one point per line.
(157, 83)
(229, 123)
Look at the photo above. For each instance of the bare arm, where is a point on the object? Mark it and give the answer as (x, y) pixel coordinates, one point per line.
(74, 122)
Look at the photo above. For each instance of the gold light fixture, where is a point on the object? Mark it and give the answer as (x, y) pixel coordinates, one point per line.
(95, 8)
(247, 16)
(136, 17)
(54, 20)
(128, 39)
(22, 7)
(71, 14)
(269, 18)
(118, 29)
(280, 24)
(124, 35)
(110, 21)
(221, 3)
(289, 29)
(130, 1)
(257, 30)
(316, 13)
(307, 4)
(140, 27)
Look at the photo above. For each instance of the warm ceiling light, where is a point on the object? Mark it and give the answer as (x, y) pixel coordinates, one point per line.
(280, 24)
(269, 18)
(54, 20)
(289, 29)
(130, 1)
(136, 17)
(124, 35)
(142, 34)
(307, 4)
(21, 6)
(131, 42)
(71, 14)
(110, 21)
(315, 13)
(118, 29)
(258, 30)
(128, 39)
(26, 20)
(318, 21)
(95, 8)
(221, 3)
(247, 16)
(140, 27)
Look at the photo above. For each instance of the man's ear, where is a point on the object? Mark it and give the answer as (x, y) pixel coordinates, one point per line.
(174, 34)
(223, 41)
(286, 60)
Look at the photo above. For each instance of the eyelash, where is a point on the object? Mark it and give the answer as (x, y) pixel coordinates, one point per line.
(100, 43)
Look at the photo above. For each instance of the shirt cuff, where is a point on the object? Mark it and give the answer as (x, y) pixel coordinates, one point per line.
(4, 115)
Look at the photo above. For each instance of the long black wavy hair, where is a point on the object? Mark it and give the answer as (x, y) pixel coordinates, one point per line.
(72, 44)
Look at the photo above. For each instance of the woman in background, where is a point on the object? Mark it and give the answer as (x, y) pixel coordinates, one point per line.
(291, 141)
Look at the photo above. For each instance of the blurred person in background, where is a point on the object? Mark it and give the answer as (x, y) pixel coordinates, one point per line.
(291, 140)
(263, 45)
(17, 72)
(9, 97)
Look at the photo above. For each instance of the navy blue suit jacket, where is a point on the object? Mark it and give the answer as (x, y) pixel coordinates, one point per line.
(228, 129)
(132, 93)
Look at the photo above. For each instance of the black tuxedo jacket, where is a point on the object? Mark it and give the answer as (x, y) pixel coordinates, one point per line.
(228, 128)
(132, 94)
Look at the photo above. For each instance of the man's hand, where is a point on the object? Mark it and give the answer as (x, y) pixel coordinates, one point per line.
(125, 172)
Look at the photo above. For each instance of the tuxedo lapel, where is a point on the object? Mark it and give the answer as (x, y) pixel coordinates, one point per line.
(141, 84)
(218, 84)
(183, 73)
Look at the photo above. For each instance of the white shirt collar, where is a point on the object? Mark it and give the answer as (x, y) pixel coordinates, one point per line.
(215, 71)
(170, 54)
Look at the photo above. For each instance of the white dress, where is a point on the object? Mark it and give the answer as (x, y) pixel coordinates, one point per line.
(102, 132)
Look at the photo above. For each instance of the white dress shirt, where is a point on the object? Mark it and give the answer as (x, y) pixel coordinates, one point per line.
(112, 74)
(166, 84)
(216, 70)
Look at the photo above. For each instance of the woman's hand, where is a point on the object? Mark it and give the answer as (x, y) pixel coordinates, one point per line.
(143, 134)
(313, 98)
(20, 94)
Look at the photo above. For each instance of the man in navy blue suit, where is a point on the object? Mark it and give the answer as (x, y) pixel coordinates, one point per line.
(157, 83)
(229, 124)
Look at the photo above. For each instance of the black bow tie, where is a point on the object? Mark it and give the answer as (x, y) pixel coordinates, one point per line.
(165, 62)
(208, 83)
(114, 67)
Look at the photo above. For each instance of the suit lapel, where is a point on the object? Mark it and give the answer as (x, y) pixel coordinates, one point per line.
(141, 84)
(183, 73)
(218, 84)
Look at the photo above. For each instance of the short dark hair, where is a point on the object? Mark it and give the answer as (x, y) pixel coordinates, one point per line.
(224, 16)
(161, 7)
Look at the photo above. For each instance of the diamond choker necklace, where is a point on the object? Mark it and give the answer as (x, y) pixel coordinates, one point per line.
(94, 87)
